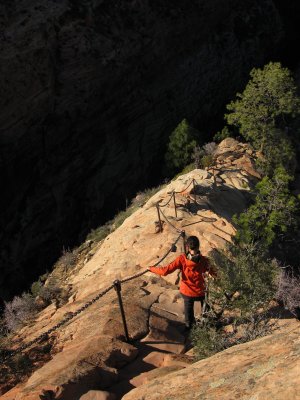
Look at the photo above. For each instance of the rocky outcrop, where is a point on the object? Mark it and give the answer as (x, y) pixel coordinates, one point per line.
(89, 352)
(264, 369)
(89, 94)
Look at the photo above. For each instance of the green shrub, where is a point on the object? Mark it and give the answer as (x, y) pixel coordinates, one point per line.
(100, 233)
(182, 141)
(268, 102)
(247, 271)
(36, 288)
(207, 161)
(209, 340)
(273, 213)
(277, 153)
(223, 134)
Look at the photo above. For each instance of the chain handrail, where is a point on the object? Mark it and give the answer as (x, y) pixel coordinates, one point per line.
(177, 192)
(168, 202)
(72, 315)
(192, 181)
(168, 221)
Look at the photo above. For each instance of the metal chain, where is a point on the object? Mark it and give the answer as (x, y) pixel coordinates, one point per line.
(168, 202)
(81, 309)
(186, 187)
(172, 194)
(99, 295)
(55, 327)
(170, 223)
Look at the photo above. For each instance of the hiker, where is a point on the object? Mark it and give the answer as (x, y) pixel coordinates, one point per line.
(193, 267)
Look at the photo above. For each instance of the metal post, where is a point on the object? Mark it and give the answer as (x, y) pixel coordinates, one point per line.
(175, 206)
(117, 286)
(183, 237)
(194, 190)
(159, 219)
(214, 175)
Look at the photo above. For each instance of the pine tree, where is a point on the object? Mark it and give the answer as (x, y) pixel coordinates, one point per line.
(182, 142)
(267, 102)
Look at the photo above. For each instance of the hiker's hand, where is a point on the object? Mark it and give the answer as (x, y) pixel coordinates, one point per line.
(207, 275)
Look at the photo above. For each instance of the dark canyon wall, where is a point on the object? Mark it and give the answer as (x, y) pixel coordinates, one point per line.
(90, 91)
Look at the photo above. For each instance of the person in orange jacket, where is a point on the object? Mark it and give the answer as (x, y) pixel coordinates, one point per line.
(193, 268)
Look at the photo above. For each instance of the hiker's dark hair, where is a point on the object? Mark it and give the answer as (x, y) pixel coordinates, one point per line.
(193, 242)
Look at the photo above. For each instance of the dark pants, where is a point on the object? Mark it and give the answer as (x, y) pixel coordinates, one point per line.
(189, 308)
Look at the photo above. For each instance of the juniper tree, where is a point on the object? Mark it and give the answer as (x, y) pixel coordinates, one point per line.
(182, 142)
(267, 102)
(274, 211)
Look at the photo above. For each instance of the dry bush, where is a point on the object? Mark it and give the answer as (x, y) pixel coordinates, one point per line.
(19, 311)
(210, 148)
(289, 292)
(68, 259)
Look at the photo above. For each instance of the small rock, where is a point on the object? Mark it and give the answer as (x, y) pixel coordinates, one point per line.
(98, 395)
(228, 329)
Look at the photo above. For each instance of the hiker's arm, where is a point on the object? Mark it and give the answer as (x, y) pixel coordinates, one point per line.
(176, 264)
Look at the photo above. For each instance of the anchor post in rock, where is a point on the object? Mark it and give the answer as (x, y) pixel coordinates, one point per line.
(117, 287)
(175, 205)
(183, 240)
(194, 191)
(159, 218)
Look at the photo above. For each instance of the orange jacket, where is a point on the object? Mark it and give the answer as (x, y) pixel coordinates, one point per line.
(192, 280)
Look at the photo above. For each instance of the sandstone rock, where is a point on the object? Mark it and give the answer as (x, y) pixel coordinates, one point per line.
(146, 377)
(90, 349)
(98, 395)
(164, 336)
(265, 369)
(182, 360)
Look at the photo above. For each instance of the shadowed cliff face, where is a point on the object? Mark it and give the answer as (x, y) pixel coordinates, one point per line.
(290, 15)
(89, 95)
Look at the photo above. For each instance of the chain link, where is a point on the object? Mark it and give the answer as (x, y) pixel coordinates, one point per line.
(168, 202)
(168, 221)
(192, 181)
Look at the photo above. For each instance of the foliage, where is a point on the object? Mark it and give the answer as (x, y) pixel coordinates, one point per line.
(209, 339)
(246, 275)
(197, 155)
(203, 156)
(100, 233)
(207, 161)
(19, 311)
(223, 134)
(47, 292)
(267, 102)
(288, 292)
(210, 148)
(281, 154)
(273, 212)
(182, 141)
(68, 259)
